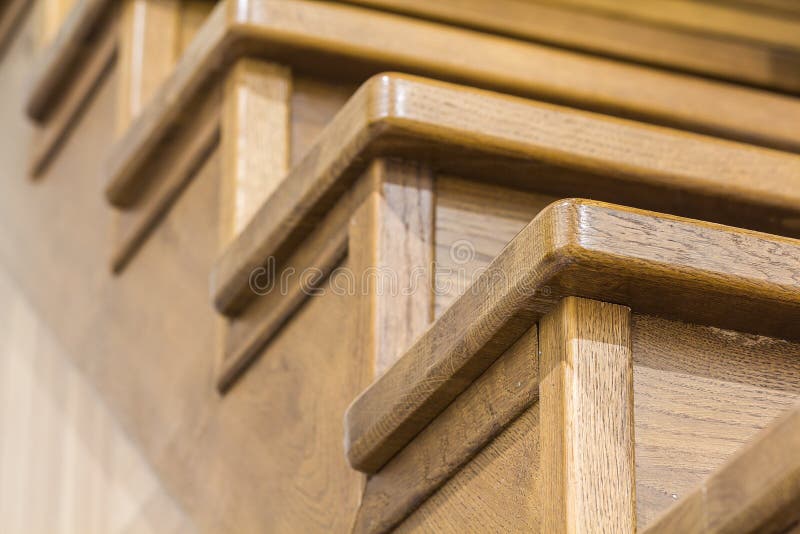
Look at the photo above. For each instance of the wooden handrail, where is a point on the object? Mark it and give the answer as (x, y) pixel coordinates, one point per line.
(57, 62)
(309, 34)
(662, 265)
(697, 50)
(757, 490)
(532, 145)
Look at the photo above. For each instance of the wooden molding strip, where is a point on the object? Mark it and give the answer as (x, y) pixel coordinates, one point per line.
(52, 134)
(504, 391)
(757, 490)
(655, 264)
(58, 61)
(314, 36)
(757, 63)
(11, 15)
(538, 146)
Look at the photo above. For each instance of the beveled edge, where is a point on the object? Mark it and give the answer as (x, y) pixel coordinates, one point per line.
(58, 59)
(656, 264)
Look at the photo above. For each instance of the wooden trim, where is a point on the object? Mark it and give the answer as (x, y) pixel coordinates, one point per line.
(52, 134)
(537, 146)
(586, 414)
(740, 60)
(757, 490)
(182, 157)
(255, 139)
(655, 264)
(11, 16)
(314, 36)
(57, 63)
(391, 250)
(489, 405)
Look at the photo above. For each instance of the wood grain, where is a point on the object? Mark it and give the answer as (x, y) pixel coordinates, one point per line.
(586, 411)
(254, 139)
(700, 52)
(313, 36)
(57, 63)
(655, 264)
(508, 388)
(758, 490)
(533, 146)
(700, 393)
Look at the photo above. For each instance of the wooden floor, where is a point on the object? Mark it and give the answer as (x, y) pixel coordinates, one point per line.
(65, 464)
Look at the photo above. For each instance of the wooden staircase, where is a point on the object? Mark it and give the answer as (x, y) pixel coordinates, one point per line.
(380, 265)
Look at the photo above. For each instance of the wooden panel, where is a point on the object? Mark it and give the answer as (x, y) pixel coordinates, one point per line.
(700, 393)
(391, 244)
(529, 145)
(498, 488)
(653, 263)
(758, 490)
(314, 103)
(474, 221)
(465, 429)
(254, 139)
(677, 48)
(586, 407)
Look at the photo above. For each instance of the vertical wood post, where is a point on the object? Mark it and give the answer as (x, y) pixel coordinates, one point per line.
(391, 250)
(586, 403)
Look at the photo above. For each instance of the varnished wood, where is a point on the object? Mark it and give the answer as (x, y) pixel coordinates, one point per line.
(586, 407)
(255, 139)
(56, 64)
(701, 52)
(758, 490)
(700, 393)
(591, 250)
(504, 391)
(307, 34)
(52, 13)
(531, 145)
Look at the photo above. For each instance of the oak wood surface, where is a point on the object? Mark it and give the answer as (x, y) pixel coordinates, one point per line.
(700, 393)
(508, 388)
(700, 52)
(655, 264)
(758, 490)
(316, 35)
(586, 415)
(531, 145)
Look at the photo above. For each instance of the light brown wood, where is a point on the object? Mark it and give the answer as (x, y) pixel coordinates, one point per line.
(453, 439)
(586, 414)
(59, 59)
(254, 139)
(53, 13)
(392, 237)
(699, 52)
(534, 146)
(307, 35)
(655, 264)
(700, 393)
(758, 490)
